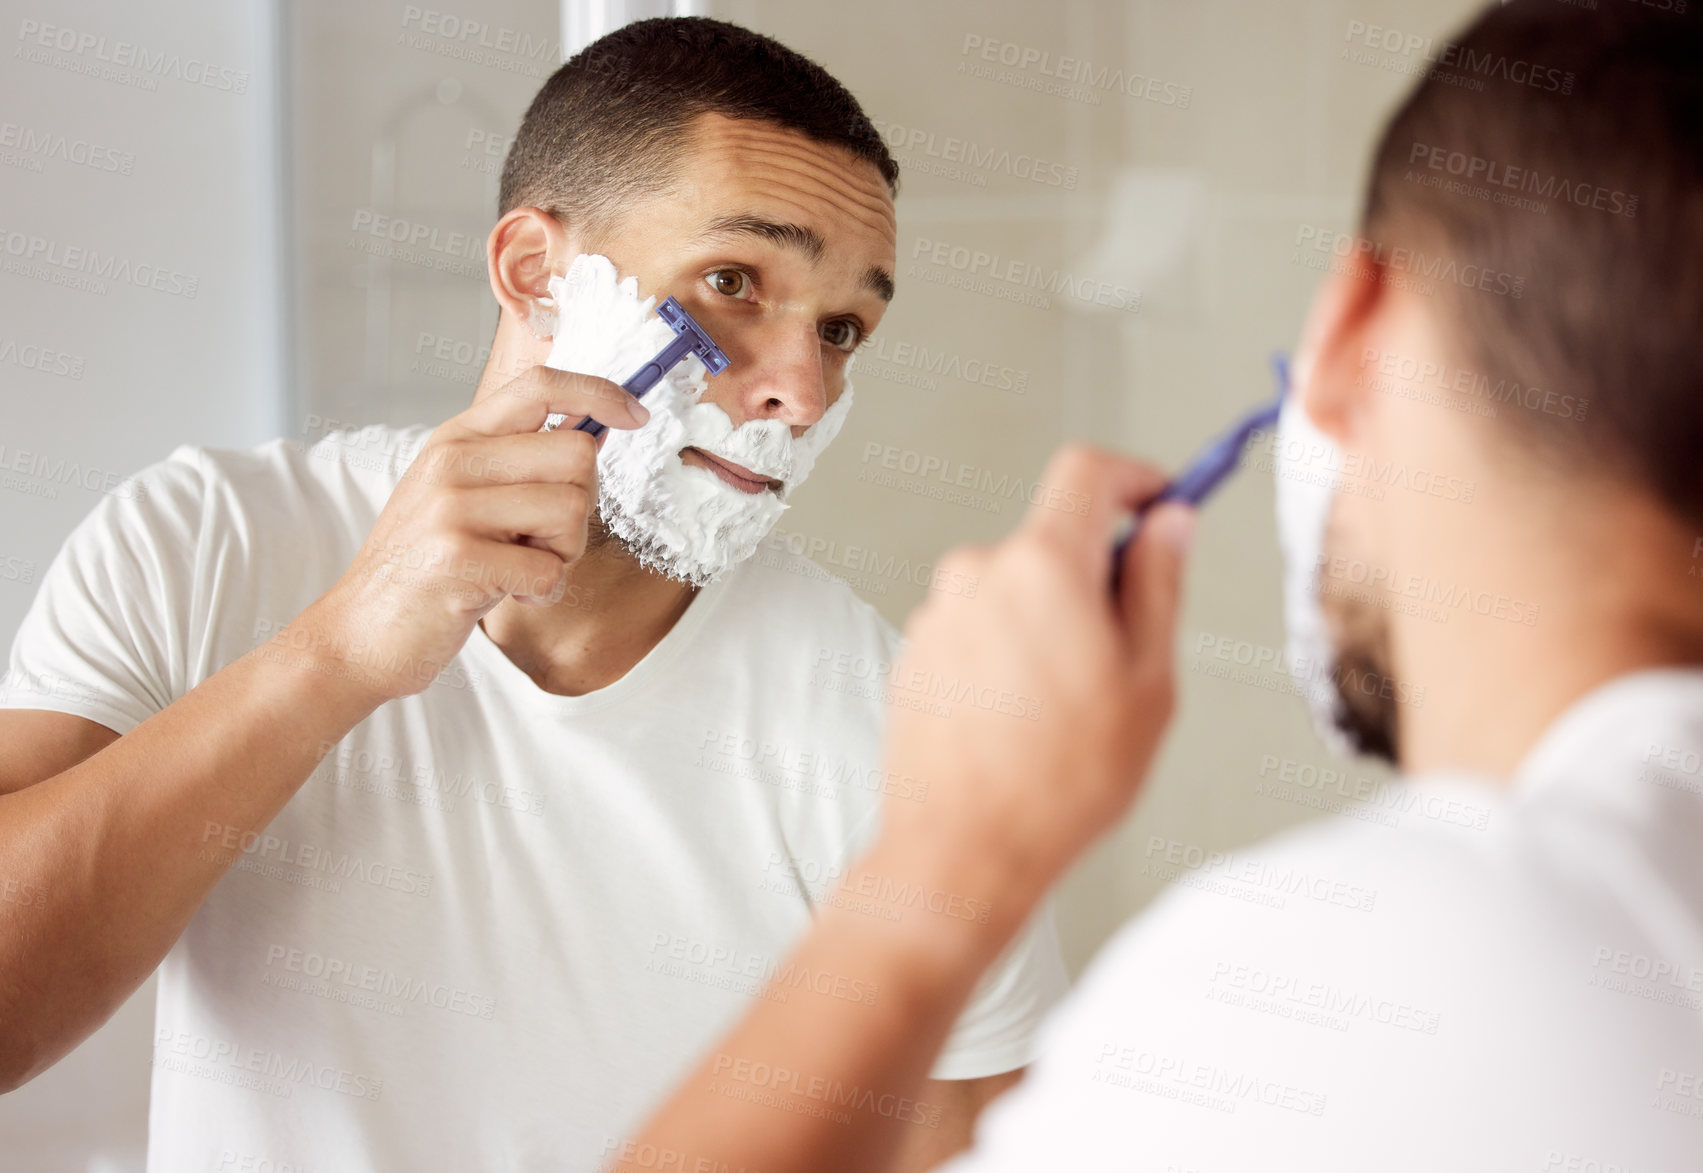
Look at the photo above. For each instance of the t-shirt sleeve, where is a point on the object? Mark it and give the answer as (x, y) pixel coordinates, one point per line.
(998, 1028)
(1063, 1115)
(1112, 1084)
(106, 637)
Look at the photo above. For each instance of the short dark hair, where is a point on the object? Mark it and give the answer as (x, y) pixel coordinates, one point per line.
(1564, 146)
(606, 128)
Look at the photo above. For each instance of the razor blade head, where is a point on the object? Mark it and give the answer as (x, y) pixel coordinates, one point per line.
(702, 345)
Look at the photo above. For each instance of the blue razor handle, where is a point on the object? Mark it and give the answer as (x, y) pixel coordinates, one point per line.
(1214, 464)
(689, 338)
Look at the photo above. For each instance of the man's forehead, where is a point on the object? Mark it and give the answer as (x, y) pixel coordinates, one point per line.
(744, 166)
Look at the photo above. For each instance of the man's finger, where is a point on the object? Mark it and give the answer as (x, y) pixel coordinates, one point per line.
(522, 404)
(1153, 582)
(549, 516)
(1082, 495)
(532, 574)
(563, 456)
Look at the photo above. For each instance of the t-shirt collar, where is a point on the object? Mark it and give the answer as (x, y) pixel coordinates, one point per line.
(1621, 721)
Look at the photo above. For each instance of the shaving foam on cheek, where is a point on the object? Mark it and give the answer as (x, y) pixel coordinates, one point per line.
(599, 325)
(678, 519)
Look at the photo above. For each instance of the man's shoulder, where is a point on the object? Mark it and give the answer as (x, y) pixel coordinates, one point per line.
(1457, 900)
(1373, 974)
(1382, 866)
(348, 472)
(375, 455)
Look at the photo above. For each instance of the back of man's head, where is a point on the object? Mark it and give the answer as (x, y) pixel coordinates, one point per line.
(609, 125)
(1564, 147)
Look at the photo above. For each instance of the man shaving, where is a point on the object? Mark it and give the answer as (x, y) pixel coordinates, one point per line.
(1518, 992)
(529, 786)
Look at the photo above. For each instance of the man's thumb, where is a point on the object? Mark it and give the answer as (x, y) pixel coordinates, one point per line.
(1153, 579)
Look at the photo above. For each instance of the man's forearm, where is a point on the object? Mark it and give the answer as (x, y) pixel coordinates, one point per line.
(120, 850)
(832, 1076)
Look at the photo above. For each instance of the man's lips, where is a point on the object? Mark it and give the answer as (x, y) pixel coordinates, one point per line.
(736, 475)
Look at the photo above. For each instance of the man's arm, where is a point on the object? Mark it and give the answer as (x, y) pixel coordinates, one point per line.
(821, 1082)
(116, 852)
(108, 845)
(40, 744)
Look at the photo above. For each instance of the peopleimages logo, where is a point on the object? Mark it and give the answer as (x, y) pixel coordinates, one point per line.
(41, 358)
(1010, 279)
(1172, 859)
(271, 1071)
(1321, 1003)
(41, 475)
(417, 235)
(124, 55)
(928, 684)
(1473, 169)
(1417, 594)
(917, 365)
(962, 158)
(311, 858)
(1287, 778)
(865, 563)
(46, 144)
(1079, 78)
(1424, 54)
(1393, 372)
(1345, 246)
(1178, 1077)
(450, 27)
(414, 243)
(39, 257)
(324, 973)
(825, 1090)
(996, 485)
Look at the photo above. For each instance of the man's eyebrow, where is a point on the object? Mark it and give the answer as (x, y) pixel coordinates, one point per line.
(880, 280)
(794, 236)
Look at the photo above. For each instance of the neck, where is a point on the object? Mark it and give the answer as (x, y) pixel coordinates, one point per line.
(611, 615)
(1609, 578)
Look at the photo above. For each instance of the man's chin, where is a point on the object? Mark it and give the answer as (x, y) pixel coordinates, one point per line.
(640, 539)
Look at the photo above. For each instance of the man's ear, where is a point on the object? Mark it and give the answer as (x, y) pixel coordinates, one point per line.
(526, 248)
(1327, 364)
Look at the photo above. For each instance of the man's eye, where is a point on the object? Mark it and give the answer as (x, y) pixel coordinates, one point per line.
(730, 283)
(842, 335)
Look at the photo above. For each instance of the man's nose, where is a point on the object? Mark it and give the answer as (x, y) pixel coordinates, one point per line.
(784, 379)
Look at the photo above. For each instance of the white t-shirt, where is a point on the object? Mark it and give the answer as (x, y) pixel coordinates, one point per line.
(1505, 980)
(496, 925)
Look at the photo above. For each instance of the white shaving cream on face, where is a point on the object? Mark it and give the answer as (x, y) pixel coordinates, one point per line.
(1304, 501)
(678, 519)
